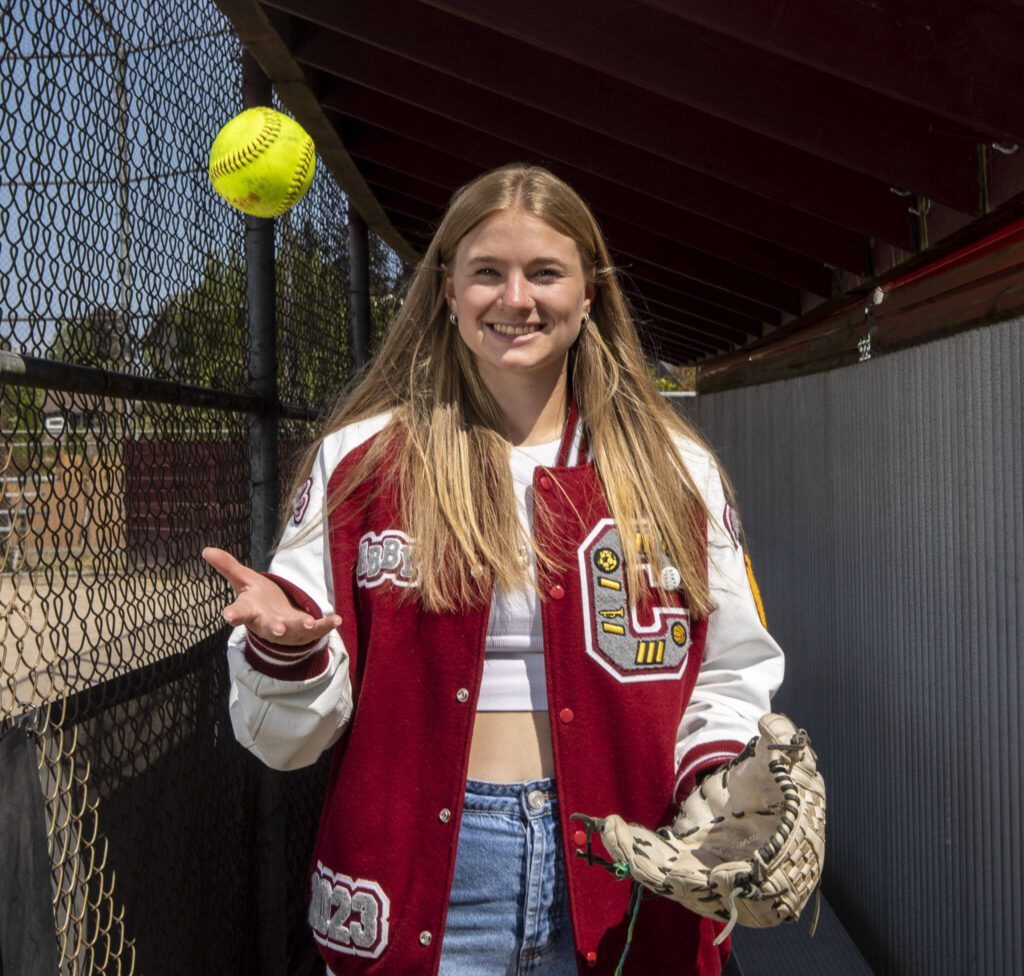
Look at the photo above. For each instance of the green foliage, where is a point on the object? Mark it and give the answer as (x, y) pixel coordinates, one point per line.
(198, 336)
(101, 338)
(663, 382)
(21, 407)
(312, 312)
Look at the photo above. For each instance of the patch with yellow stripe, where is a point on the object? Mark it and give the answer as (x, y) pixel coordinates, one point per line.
(755, 590)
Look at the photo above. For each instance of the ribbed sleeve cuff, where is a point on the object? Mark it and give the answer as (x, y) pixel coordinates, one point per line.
(702, 759)
(297, 595)
(290, 662)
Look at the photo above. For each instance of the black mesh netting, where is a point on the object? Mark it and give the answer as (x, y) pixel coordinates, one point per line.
(116, 255)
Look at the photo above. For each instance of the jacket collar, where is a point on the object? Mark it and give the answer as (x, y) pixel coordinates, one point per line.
(573, 449)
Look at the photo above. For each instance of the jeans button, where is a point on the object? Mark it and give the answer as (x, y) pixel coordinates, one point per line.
(535, 799)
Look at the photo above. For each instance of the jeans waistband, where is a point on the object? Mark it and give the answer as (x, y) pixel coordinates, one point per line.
(534, 798)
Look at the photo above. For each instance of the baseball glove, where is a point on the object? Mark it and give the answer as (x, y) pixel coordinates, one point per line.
(749, 842)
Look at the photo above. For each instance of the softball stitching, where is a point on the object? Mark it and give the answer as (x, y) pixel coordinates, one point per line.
(236, 160)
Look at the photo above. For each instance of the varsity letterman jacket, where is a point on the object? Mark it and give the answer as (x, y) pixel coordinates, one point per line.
(639, 706)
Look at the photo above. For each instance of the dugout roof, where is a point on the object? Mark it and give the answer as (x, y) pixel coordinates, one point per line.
(758, 166)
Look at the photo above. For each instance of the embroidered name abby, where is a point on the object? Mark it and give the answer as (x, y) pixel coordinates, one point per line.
(387, 556)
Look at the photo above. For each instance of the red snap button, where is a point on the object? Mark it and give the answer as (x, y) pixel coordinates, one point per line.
(591, 958)
(566, 715)
(579, 838)
(556, 592)
(545, 482)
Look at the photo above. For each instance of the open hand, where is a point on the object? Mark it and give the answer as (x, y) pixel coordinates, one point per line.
(263, 607)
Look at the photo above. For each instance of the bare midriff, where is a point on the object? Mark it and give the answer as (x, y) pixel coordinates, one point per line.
(511, 747)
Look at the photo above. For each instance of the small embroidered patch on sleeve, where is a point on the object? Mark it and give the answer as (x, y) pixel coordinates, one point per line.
(755, 590)
(302, 501)
(731, 520)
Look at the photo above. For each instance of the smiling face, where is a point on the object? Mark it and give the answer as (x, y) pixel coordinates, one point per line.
(518, 288)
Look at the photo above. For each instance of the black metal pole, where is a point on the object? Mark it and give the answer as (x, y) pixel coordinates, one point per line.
(49, 374)
(260, 298)
(359, 286)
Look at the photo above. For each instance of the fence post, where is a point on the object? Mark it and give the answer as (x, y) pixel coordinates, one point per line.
(262, 356)
(359, 286)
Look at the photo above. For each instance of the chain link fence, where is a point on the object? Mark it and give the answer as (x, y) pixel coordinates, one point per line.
(125, 418)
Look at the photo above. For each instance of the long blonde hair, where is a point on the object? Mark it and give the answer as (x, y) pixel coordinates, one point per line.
(445, 448)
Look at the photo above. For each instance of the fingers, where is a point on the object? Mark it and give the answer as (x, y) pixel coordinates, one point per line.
(282, 626)
(262, 607)
(237, 574)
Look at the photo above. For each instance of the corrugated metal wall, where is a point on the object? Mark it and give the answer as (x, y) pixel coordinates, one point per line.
(883, 510)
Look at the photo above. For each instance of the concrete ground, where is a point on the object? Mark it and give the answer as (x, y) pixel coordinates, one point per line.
(62, 634)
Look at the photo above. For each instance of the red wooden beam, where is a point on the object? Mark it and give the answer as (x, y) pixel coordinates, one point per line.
(411, 186)
(546, 134)
(695, 307)
(720, 333)
(752, 89)
(388, 151)
(642, 274)
(629, 242)
(396, 202)
(641, 212)
(660, 301)
(959, 61)
(440, 133)
(662, 341)
(586, 96)
(675, 343)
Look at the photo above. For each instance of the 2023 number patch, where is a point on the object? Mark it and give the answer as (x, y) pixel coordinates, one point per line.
(348, 915)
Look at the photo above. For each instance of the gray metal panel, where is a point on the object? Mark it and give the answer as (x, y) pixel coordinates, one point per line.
(883, 510)
(788, 950)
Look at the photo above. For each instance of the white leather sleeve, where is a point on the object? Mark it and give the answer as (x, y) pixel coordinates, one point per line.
(743, 665)
(288, 705)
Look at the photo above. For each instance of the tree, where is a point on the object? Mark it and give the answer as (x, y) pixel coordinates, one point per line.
(102, 338)
(21, 407)
(313, 345)
(198, 336)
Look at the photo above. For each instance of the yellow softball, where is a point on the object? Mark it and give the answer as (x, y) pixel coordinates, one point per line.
(262, 162)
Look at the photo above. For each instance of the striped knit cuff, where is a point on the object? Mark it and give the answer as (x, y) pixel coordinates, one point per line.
(297, 595)
(703, 759)
(287, 661)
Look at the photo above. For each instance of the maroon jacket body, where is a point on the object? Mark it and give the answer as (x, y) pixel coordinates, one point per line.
(639, 705)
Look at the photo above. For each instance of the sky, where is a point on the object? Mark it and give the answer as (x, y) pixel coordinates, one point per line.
(64, 170)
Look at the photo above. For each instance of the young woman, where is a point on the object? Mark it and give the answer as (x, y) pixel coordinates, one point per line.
(511, 588)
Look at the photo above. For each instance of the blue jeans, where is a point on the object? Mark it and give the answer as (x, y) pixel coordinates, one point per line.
(508, 914)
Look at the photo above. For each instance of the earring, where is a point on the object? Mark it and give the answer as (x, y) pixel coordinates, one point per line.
(586, 319)
(453, 318)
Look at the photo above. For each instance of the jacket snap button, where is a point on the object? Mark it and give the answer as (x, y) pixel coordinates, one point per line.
(556, 592)
(566, 715)
(580, 838)
(545, 482)
(591, 958)
(445, 815)
(462, 695)
(426, 938)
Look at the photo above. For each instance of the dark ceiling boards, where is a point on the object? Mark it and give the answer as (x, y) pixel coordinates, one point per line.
(748, 161)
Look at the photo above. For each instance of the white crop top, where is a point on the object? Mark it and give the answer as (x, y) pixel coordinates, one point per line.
(513, 679)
